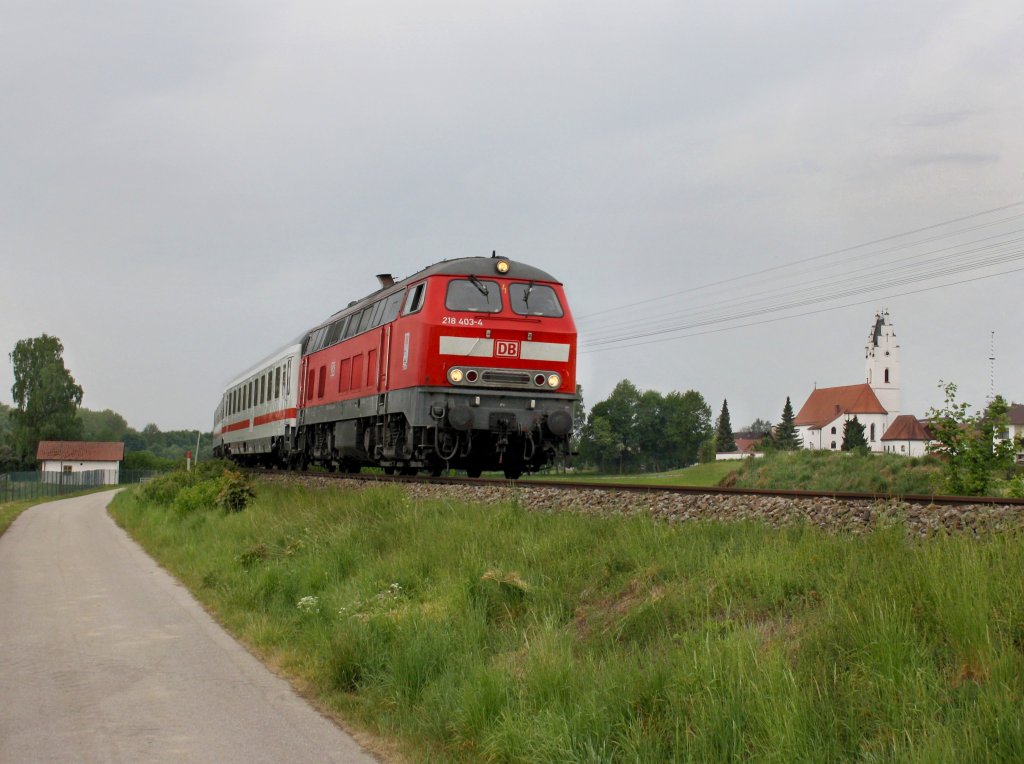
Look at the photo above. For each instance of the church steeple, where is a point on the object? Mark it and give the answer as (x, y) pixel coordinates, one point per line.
(882, 363)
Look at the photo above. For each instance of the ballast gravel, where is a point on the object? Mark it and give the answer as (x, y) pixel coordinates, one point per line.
(831, 515)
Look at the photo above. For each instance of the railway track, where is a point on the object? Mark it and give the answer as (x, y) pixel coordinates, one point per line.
(633, 488)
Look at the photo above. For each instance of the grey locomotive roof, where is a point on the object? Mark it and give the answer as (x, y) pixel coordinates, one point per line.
(462, 266)
(485, 266)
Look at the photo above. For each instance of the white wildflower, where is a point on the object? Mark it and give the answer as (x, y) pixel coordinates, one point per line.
(309, 604)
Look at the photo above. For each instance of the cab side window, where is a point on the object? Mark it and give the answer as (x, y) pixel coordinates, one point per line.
(414, 299)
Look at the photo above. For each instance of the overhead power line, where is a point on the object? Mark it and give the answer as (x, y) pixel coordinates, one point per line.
(827, 282)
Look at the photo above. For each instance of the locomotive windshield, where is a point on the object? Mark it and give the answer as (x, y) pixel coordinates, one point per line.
(534, 300)
(476, 295)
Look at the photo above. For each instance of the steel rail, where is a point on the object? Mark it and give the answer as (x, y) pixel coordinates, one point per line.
(909, 498)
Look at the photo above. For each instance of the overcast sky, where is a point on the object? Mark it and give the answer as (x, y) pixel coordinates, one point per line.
(185, 186)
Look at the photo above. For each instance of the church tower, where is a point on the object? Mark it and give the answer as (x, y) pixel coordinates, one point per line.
(882, 364)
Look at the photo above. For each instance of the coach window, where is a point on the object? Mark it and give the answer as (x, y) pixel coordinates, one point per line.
(288, 378)
(277, 382)
(473, 295)
(415, 302)
(534, 300)
(392, 306)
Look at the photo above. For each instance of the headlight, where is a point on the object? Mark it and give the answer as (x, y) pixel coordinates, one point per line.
(554, 381)
(455, 375)
(502, 266)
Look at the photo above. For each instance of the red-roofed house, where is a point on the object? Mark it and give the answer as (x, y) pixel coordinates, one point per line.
(1016, 415)
(64, 456)
(907, 436)
(875, 402)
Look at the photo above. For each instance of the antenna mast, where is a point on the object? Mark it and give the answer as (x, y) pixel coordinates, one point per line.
(992, 368)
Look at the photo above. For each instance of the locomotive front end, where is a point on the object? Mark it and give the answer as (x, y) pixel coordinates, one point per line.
(506, 359)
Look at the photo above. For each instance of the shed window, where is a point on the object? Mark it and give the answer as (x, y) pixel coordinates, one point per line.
(887, 376)
(833, 432)
(872, 433)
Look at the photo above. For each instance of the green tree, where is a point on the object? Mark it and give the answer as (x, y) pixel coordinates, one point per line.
(46, 397)
(786, 438)
(724, 442)
(688, 426)
(759, 427)
(619, 410)
(853, 436)
(104, 425)
(974, 446)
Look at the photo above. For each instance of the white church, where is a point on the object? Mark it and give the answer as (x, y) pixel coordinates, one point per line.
(875, 402)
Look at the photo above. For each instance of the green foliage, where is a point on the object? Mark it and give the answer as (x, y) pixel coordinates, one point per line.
(234, 491)
(146, 461)
(46, 397)
(631, 431)
(615, 639)
(724, 442)
(854, 438)
(974, 447)
(107, 426)
(785, 437)
(840, 471)
(211, 485)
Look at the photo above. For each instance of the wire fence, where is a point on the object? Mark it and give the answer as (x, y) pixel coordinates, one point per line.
(22, 486)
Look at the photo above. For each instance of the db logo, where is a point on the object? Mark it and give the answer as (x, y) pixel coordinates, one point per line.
(506, 349)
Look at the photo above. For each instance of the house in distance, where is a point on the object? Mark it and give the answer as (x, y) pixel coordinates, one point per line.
(65, 457)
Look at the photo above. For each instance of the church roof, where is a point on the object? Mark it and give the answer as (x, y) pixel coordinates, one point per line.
(826, 404)
(907, 427)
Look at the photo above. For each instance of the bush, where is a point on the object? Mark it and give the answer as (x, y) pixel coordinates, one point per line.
(200, 496)
(164, 490)
(234, 491)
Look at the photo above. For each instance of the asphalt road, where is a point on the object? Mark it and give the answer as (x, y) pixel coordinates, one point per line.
(106, 658)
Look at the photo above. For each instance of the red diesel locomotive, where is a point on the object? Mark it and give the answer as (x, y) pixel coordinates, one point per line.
(468, 364)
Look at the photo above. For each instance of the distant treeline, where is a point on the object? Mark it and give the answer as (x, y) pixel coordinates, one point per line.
(147, 449)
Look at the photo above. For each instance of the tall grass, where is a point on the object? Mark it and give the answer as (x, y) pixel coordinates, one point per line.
(493, 634)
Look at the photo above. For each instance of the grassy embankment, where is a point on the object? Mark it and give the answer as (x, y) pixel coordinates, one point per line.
(699, 475)
(838, 471)
(471, 633)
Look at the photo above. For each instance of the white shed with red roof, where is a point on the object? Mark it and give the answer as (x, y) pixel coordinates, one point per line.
(64, 456)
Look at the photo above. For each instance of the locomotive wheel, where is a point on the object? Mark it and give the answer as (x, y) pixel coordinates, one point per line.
(389, 470)
(408, 471)
(513, 473)
(473, 472)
